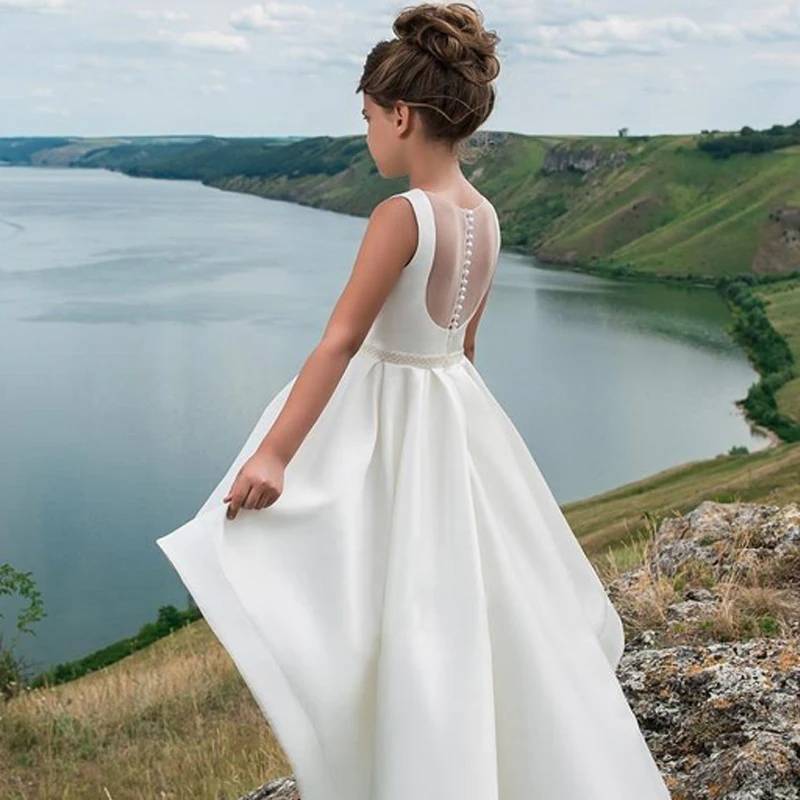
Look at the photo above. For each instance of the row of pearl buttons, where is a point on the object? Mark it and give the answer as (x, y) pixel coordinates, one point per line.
(464, 274)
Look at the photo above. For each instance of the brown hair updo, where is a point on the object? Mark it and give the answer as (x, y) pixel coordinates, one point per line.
(443, 62)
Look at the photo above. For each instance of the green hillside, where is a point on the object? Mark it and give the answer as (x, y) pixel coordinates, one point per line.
(674, 209)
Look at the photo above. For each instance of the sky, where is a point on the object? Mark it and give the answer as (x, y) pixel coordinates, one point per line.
(229, 68)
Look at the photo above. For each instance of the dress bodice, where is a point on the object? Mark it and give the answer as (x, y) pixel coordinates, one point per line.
(438, 292)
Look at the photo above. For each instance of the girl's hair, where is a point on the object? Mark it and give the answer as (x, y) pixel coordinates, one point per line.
(443, 62)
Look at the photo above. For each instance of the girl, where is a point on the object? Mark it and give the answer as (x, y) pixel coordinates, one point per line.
(384, 561)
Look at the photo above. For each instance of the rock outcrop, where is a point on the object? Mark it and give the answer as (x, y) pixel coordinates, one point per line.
(711, 667)
(567, 158)
(712, 670)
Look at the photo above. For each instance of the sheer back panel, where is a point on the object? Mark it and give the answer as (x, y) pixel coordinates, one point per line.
(464, 260)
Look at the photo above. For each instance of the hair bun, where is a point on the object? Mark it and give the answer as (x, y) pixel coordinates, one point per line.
(454, 35)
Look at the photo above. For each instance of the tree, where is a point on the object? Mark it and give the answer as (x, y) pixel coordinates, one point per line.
(12, 666)
(169, 618)
(622, 132)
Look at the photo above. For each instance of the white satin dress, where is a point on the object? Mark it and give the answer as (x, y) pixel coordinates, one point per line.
(413, 615)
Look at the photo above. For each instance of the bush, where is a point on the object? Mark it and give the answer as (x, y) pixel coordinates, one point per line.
(749, 140)
(767, 349)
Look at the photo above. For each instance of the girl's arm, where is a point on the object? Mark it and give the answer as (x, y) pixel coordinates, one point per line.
(388, 244)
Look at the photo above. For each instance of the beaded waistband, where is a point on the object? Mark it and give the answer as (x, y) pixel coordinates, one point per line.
(413, 359)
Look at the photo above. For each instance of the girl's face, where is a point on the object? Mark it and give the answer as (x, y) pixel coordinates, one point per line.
(386, 136)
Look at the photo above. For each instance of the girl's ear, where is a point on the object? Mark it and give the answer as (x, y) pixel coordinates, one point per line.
(402, 115)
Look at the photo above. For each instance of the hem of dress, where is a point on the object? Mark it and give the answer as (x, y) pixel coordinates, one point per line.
(192, 553)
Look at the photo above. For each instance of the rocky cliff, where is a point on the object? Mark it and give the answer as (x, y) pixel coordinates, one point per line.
(565, 158)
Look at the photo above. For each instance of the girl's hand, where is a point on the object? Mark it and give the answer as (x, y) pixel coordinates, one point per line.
(258, 483)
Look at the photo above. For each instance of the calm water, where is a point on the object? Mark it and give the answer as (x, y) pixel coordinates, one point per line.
(145, 324)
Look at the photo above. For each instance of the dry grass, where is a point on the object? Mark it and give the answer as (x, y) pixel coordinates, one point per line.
(755, 597)
(173, 721)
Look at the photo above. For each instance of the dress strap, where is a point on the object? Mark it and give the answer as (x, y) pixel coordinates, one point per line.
(423, 255)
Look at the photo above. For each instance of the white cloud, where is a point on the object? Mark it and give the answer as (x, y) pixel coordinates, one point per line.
(161, 15)
(206, 41)
(546, 53)
(568, 66)
(575, 31)
(270, 16)
(781, 22)
(38, 6)
(781, 59)
(612, 36)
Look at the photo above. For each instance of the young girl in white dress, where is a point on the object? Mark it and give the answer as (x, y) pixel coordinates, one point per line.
(383, 560)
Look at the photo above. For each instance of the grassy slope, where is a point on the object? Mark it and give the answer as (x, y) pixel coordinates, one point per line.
(672, 209)
(172, 721)
(609, 520)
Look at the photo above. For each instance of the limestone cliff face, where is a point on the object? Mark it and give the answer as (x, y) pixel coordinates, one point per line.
(566, 158)
(712, 661)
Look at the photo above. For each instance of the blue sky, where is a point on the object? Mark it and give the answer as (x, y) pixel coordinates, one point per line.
(84, 67)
